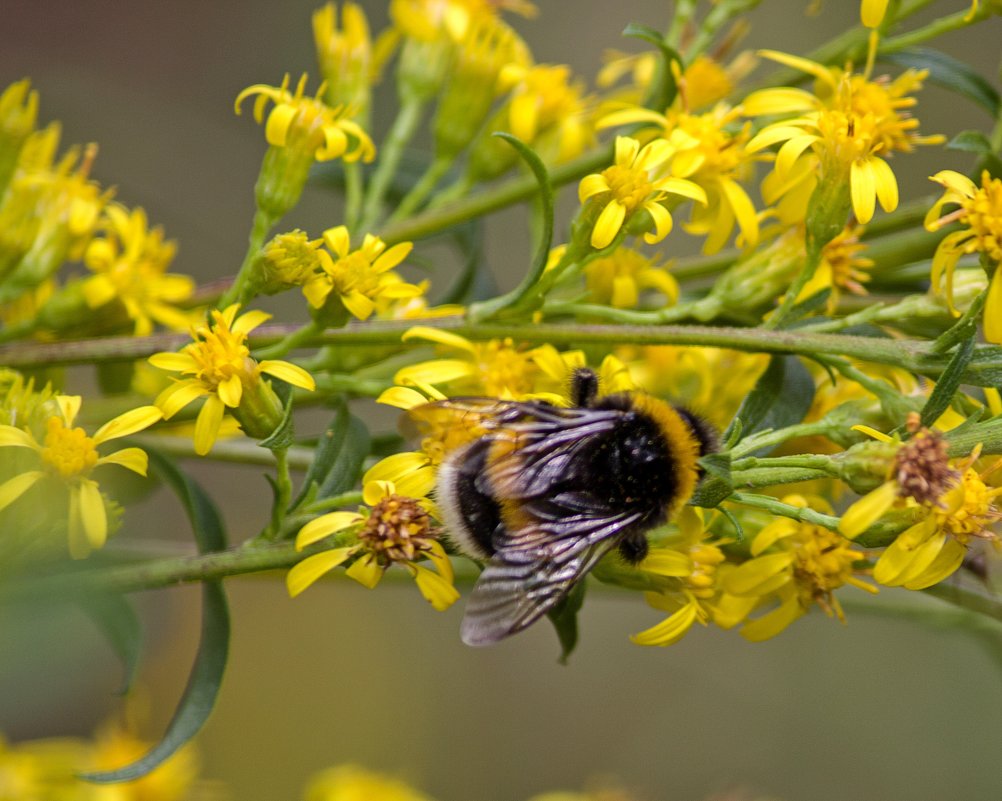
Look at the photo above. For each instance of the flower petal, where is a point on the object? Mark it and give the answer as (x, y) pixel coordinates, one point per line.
(207, 424)
(14, 488)
(134, 459)
(289, 373)
(863, 186)
(230, 391)
(248, 321)
(670, 630)
(128, 423)
(15, 437)
(868, 510)
(93, 516)
(178, 395)
(435, 589)
(366, 571)
(438, 336)
(321, 527)
(608, 224)
(303, 574)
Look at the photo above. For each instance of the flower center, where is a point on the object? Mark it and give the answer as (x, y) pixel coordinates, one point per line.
(823, 562)
(705, 559)
(220, 355)
(398, 529)
(973, 515)
(922, 469)
(354, 273)
(629, 185)
(504, 370)
(983, 213)
(67, 452)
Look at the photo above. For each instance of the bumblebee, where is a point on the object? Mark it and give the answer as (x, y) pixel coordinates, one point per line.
(540, 493)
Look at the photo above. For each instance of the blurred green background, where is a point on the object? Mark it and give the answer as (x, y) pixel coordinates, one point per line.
(878, 710)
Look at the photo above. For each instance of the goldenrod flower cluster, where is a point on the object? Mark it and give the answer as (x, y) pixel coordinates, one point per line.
(808, 358)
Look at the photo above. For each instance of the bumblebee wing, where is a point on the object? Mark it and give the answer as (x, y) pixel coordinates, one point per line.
(460, 420)
(534, 567)
(532, 458)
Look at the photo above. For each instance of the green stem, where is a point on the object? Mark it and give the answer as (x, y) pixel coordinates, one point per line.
(807, 461)
(392, 150)
(237, 451)
(283, 493)
(263, 223)
(420, 191)
(769, 504)
(354, 193)
(770, 439)
(910, 354)
(934, 29)
(298, 338)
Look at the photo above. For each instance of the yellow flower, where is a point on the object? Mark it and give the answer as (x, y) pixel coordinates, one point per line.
(59, 200)
(935, 547)
(428, 20)
(288, 260)
(307, 123)
(619, 278)
(224, 373)
(694, 374)
(67, 455)
(842, 269)
(130, 263)
(546, 108)
(18, 112)
(394, 528)
(980, 212)
(845, 132)
(348, 64)
(116, 744)
(871, 12)
(361, 277)
(629, 186)
(694, 569)
(958, 503)
(800, 564)
(494, 369)
(711, 151)
(351, 783)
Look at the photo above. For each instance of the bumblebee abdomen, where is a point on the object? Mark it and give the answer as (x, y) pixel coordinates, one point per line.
(470, 513)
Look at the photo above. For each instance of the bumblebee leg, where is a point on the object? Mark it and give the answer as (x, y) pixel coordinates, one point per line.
(584, 387)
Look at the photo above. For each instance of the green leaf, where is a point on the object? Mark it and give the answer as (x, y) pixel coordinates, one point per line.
(663, 88)
(119, 623)
(716, 484)
(564, 617)
(941, 397)
(544, 230)
(971, 142)
(210, 662)
(285, 433)
(327, 449)
(950, 73)
(338, 456)
(781, 397)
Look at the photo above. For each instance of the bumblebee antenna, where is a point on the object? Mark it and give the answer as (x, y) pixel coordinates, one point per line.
(584, 387)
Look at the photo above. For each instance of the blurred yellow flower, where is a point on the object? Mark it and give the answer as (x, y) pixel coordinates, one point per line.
(980, 213)
(130, 265)
(307, 123)
(67, 456)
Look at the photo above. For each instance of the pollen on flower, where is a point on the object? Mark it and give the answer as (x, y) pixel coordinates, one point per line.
(702, 581)
(922, 468)
(823, 562)
(971, 511)
(398, 530)
(67, 452)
